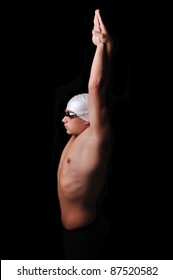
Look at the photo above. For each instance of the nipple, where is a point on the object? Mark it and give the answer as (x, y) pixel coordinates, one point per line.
(68, 160)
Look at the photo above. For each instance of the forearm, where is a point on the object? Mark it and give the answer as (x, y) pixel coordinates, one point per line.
(100, 69)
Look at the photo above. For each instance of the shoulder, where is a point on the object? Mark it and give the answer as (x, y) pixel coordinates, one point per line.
(97, 137)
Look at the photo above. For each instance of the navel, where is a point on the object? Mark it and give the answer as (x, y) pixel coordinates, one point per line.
(68, 160)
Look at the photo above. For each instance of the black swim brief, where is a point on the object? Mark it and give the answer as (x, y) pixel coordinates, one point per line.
(84, 243)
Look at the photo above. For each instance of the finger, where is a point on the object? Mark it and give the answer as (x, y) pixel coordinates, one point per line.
(96, 23)
(101, 24)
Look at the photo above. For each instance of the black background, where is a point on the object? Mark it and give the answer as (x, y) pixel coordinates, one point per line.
(44, 50)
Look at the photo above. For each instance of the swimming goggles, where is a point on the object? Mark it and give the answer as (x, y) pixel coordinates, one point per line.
(71, 115)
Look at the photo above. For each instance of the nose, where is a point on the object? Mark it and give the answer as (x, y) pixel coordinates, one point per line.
(64, 119)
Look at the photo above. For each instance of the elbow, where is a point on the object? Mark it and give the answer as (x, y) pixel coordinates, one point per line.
(95, 85)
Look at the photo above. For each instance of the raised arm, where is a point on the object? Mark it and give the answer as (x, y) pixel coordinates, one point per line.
(99, 74)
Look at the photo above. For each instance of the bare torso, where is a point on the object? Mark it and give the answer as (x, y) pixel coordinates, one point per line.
(81, 176)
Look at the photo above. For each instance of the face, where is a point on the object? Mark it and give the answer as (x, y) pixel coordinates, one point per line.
(73, 124)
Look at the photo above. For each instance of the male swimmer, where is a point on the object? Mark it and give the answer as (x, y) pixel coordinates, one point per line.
(85, 159)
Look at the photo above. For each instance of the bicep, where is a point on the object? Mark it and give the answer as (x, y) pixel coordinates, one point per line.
(97, 110)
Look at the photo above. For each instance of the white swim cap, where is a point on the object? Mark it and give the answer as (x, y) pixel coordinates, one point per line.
(79, 105)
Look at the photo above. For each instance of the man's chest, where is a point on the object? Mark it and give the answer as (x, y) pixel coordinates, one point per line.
(79, 157)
